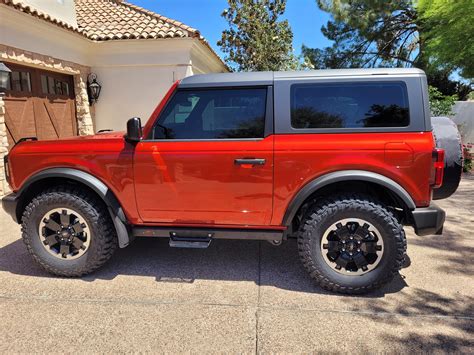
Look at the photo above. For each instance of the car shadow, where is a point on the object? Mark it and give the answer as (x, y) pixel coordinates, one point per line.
(228, 260)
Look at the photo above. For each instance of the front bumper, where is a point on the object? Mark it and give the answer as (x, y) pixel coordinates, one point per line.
(428, 220)
(9, 204)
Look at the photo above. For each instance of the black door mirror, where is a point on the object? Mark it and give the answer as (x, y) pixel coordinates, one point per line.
(134, 130)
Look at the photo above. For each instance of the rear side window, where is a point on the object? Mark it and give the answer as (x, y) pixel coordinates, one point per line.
(213, 114)
(349, 105)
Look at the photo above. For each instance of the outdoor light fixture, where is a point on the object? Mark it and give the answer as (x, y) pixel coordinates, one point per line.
(4, 76)
(93, 88)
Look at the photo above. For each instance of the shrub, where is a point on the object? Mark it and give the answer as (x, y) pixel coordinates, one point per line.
(441, 105)
(467, 166)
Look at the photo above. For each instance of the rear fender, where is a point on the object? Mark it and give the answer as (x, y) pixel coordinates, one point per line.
(346, 175)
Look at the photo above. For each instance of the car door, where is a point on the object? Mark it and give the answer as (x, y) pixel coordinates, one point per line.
(208, 159)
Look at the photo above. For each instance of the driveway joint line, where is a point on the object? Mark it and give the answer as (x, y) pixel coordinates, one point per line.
(231, 305)
(259, 286)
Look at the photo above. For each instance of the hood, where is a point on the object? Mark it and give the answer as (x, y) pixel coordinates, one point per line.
(103, 135)
(106, 141)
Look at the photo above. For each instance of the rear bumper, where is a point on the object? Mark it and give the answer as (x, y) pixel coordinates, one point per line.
(428, 220)
(9, 204)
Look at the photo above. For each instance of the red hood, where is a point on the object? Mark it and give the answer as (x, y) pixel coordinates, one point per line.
(107, 141)
(104, 135)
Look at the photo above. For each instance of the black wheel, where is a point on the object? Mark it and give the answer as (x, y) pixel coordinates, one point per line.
(351, 244)
(68, 231)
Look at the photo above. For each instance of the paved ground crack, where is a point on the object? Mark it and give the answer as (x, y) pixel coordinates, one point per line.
(31, 298)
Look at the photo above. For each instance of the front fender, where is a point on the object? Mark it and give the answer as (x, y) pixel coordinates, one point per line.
(112, 203)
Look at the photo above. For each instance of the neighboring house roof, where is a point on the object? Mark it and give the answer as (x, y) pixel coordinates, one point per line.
(104, 20)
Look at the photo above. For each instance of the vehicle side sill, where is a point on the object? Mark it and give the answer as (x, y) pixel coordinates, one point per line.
(214, 233)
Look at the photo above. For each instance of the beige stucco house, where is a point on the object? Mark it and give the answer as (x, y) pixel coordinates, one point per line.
(53, 46)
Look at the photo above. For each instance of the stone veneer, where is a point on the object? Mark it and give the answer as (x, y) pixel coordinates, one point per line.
(84, 114)
(3, 148)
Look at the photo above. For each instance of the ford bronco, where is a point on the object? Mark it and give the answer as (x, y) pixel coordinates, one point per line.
(339, 159)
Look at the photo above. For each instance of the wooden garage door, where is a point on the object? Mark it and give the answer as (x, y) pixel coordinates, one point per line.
(39, 104)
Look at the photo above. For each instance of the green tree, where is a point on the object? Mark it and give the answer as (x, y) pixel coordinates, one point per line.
(256, 39)
(381, 33)
(369, 33)
(449, 33)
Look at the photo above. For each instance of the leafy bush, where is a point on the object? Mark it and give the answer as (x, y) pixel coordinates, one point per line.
(467, 167)
(441, 105)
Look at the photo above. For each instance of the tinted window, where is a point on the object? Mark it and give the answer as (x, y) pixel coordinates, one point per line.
(54, 86)
(351, 105)
(19, 81)
(213, 114)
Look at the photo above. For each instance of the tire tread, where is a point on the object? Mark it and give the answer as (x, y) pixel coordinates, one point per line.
(96, 211)
(330, 205)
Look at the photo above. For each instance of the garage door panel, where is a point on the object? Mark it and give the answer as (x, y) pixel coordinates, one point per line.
(35, 110)
(53, 118)
(60, 115)
(46, 129)
(19, 118)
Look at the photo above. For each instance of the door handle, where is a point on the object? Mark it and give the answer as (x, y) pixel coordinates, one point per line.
(249, 161)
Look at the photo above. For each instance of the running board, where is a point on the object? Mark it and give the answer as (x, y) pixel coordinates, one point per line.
(202, 237)
(189, 241)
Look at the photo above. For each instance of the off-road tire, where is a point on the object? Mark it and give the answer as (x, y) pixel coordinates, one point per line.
(103, 235)
(329, 210)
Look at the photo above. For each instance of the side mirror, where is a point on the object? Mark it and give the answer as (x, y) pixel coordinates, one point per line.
(134, 130)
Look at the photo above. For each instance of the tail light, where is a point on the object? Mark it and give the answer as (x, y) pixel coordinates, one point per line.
(438, 165)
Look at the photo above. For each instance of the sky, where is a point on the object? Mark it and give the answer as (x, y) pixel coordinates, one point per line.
(304, 17)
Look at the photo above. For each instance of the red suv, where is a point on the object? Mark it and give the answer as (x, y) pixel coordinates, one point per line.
(339, 159)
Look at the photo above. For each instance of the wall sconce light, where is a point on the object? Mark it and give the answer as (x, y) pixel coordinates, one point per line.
(93, 88)
(4, 76)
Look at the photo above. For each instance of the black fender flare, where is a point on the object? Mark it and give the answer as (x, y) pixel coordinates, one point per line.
(113, 205)
(345, 175)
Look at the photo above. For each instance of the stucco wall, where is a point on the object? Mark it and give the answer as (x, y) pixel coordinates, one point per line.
(135, 75)
(464, 118)
(131, 92)
(20, 30)
(63, 10)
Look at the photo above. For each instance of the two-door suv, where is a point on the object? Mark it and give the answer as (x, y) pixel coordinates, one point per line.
(339, 159)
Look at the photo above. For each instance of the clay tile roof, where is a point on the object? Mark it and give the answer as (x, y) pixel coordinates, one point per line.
(108, 19)
(104, 20)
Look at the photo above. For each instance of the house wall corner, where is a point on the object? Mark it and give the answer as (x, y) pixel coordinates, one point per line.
(4, 188)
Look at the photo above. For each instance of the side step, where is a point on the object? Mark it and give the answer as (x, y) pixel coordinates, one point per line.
(190, 240)
(181, 237)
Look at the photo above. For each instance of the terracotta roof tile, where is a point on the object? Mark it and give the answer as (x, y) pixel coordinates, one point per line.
(106, 19)
(103, 20)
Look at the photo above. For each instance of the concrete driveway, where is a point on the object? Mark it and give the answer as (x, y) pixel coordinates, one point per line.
(240, 297)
